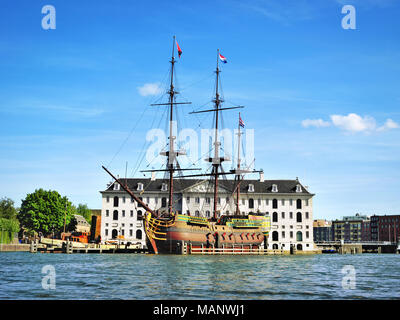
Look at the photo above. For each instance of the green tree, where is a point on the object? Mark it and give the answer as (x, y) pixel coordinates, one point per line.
(42, 210)
(84, 211)
(7, 209)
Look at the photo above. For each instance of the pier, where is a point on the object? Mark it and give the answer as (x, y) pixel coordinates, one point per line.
(359, 247)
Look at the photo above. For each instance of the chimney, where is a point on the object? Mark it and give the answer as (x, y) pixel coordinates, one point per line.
(261, 176)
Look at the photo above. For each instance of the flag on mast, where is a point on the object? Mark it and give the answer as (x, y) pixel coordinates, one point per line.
(179, 49)
(222, 58)
(241, 123)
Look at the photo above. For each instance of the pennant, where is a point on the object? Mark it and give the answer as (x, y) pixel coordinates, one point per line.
(179, 49)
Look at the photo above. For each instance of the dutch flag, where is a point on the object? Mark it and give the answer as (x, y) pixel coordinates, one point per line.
(222, 58)
(241, 123)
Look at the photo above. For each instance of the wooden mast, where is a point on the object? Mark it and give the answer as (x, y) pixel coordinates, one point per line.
(238, 169)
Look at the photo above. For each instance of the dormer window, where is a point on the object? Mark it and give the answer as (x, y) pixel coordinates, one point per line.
(140, 186)
(298, 188)
(251, 187)
(116, 186)
(274, 188)
(164, 187)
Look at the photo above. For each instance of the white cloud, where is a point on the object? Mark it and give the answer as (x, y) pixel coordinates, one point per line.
(389, 124)
(315, 123)
(351, 123)
(150, 89)
(354, 123)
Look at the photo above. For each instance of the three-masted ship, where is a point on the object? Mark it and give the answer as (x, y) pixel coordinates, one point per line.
(173, 232)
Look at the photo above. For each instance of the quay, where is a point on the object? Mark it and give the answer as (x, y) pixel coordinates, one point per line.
(358, 247)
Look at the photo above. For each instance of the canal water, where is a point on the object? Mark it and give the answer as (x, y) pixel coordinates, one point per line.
(139, 276)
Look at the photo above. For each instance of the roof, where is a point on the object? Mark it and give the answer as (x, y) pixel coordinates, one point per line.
(180, 185)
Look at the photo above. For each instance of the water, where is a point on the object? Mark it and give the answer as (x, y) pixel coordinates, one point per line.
(136, 276)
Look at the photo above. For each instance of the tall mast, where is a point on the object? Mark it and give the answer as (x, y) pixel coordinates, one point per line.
(171, 154)
(216, 159)
(238, 170)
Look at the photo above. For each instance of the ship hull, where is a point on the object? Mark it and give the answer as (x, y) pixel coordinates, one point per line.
(174, 238)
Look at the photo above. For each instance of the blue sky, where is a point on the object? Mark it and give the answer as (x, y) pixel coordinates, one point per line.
(323, 101)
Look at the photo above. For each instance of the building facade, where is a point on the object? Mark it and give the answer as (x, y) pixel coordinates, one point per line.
(322, 231)
(349, 229)
(287, 202)
(385, 228)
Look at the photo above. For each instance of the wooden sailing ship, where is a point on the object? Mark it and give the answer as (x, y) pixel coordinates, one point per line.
(172, 232)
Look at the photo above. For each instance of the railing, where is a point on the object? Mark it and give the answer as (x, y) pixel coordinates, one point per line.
(236, 250)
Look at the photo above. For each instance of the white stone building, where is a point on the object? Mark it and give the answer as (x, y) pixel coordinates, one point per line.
(287, 202)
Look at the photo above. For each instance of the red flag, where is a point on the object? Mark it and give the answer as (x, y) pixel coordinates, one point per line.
(179, 49)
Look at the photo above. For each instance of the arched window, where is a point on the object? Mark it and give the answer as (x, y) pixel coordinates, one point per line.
(251, 203)
(114, 233)
(299, 247)
(197, 213)
(163, 202)
(115, 215)
(275, 217)
(275, 246)
(274, 204)
(138, 234)
(299, 236)
(139, 214)
(298, 217)
(275, 236)
(298, 203)
(116, 201)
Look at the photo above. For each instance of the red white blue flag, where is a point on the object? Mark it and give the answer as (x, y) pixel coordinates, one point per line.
(222, 58)
(241, 123)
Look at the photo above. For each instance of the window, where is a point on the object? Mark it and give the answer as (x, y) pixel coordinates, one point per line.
(132, 200)
(283, 215)
(116, 186)
(267, 202)
(274, 204)
(147, 200)
(283, 202)
(140, 186)
(123, 213)
(139, 214)
(259, 202)
(243, 202)
(107, 213)
(123, 199)
(291, 202)
(123, 232)
(106, 232)
(307, 215)
(283, 234)
(298, 217)
(307, 234)
(299, 236)
(307, 202)
(197, 213)
(208, 214)
(163, 202)
(298, 204)
(291, 234)
(227, 199)
(131, 213)
(187, 199)
(138, 234)
(251, 188)
(291, 215)
(298, 188)
(275, 236)
(156, 200)
(208, 200)
(115, 215)
(219, 200)
(131, 233)
(164, 187)
(197, 200)
(251, 203)
(108, 198)
(116, 201)
(275, 217)
(274, 188)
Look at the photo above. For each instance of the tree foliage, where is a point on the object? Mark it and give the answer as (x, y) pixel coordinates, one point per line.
(84, 211)
(7, 209)
(42, 210)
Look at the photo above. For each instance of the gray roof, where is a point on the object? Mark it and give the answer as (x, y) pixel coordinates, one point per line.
(284, 186)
